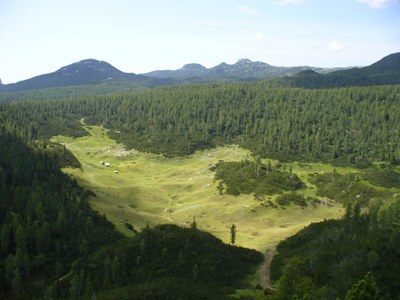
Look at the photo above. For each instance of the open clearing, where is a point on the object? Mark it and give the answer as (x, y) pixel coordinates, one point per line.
(152, 189)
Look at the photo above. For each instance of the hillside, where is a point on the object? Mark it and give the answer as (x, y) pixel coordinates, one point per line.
(384, 71)
(86, 72)
(360, 251)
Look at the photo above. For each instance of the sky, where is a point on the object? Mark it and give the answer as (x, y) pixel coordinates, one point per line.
(138, 36)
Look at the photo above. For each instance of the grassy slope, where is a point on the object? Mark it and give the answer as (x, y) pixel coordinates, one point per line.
(151, 188)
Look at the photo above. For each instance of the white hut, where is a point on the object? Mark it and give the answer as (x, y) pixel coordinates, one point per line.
(107, 164)
(116, 172)
(102, 163)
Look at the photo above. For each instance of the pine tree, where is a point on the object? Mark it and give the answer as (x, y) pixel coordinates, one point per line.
(365, 289)
(17, 281)
(195, 272)
(193, 225)
(233, 234)
(75, 287)
(117, 273)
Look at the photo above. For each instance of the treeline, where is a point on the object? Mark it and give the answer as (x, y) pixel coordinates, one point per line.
(344, 126)
(357, 257)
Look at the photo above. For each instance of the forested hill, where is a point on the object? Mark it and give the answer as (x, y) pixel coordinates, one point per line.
(357, 257)
(85, 72)
(355, 125)
(385, 71)
(45, 219)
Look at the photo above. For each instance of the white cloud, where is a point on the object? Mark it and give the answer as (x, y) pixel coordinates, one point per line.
(287, 2)
(260, 36)
(376, 3)
(335, 46)
(247, 10)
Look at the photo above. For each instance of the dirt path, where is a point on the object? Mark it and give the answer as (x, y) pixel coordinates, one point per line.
(265, 278)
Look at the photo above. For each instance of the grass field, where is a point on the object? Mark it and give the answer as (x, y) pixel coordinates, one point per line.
(152, 189)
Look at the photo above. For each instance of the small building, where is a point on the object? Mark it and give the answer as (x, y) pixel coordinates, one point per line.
(107, 164)
(116, 172)
(102, 163)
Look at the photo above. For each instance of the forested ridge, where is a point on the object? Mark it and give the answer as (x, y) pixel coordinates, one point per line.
(346, 126)
(353, 258)
(45, 219)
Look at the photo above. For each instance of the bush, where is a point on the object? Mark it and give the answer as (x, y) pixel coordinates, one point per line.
(297, 199)
(248, 177)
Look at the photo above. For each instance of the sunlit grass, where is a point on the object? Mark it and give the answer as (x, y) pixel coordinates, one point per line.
(153, 189)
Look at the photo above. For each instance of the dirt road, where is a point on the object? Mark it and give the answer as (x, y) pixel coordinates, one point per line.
(265, 278)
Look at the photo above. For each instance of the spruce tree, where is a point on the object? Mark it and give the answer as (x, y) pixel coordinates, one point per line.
(233, 234)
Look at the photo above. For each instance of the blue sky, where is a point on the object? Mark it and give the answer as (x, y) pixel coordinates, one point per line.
(41, 36)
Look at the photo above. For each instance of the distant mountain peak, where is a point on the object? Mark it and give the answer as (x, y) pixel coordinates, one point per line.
(244, 61)
(193, 67)
(87, 71)
(89, 61)
(91, 65)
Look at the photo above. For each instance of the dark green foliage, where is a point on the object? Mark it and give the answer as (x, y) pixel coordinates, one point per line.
(43, 218)
(289, 198)
(365, 289)
(57, 152)
(333, 255)
(385, 178)
(176, 263)
(345, 188)
(294, 284)
(389, 215)
(347, 126)
(170, 143)
(248, 177)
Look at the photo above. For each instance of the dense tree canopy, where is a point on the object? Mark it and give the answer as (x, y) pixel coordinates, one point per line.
(346, 125)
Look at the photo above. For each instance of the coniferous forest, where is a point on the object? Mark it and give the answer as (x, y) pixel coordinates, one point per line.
(53, 245)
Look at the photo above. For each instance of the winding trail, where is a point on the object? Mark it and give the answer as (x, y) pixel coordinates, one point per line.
(265, 272)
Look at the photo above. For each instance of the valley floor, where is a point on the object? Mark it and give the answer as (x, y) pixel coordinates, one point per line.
(140, 188)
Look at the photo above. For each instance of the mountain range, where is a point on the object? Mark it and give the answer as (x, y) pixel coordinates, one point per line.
(93, 72)
(243, 68)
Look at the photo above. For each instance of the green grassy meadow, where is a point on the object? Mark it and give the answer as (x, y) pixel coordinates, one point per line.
(152, 189)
